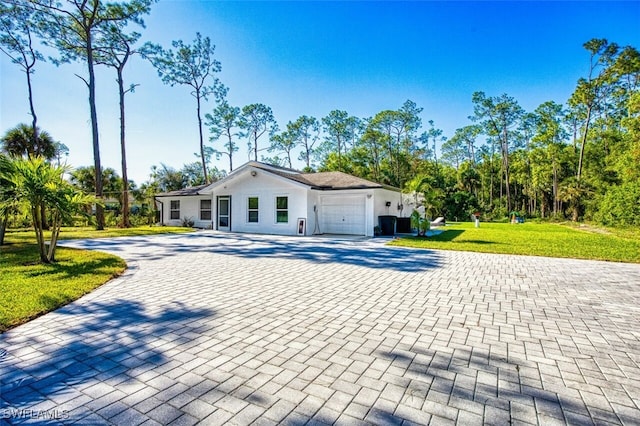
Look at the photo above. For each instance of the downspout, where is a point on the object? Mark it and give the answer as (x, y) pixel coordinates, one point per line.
(161, 210)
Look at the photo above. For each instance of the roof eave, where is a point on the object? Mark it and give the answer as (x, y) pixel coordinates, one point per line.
(248, 168)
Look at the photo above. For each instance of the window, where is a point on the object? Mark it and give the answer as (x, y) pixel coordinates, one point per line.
(282, 209)
(175, 209)
(252, 210)
(205, 209)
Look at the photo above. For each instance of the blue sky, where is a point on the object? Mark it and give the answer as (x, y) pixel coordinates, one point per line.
(313, 57)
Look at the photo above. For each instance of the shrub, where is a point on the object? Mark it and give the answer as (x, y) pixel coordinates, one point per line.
(620, 206)
(420, 223)
(188, 222)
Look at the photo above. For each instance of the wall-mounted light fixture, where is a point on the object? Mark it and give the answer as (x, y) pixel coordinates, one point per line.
(253, 173)
(369, 195)
(400, 207)
(388, 204)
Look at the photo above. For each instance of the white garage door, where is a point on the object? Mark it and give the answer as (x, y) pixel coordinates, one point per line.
(343, 215)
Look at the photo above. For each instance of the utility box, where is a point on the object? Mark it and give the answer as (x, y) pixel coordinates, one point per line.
(403, 225)
(387, 225)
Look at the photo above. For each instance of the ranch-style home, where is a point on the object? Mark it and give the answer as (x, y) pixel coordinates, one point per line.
(264, 199)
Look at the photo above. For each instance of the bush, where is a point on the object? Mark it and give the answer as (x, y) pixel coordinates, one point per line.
(138, 220)
(111, 218)
(420, 223)
(460, 205)
(620, 206)
(188, 222)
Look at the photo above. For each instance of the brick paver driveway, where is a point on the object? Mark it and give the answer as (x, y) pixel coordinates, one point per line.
(218, 328)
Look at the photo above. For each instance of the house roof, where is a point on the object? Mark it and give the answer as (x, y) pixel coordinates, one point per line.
(337, 180)
(192, 190)
(324, 181)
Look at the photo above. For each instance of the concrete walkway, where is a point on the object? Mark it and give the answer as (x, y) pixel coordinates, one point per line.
(217, 328)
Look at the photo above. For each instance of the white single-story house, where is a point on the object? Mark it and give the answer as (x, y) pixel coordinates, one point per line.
(261, 198)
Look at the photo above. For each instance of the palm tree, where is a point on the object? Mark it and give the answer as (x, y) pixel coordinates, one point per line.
(432, 197)
(20, 142)
(433, 201)
(572, 193)
(8, 201)
(35, 183)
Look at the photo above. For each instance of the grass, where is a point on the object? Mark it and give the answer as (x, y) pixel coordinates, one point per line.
(29, 289)
(536, 239)
(75, 233)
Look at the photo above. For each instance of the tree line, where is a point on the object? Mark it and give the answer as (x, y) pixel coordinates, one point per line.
(578, 159)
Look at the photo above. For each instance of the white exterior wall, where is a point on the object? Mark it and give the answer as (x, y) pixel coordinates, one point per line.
(301, 203)
(189, 208)
(266, 187)
(381, 196)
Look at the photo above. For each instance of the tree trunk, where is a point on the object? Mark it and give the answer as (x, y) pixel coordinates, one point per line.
(555, 191)
(505, 160)
(255, 146)
(123, 153)
(230, 151)
(308, 151)
(34, 121)
(202, 157)
(37, 226)
(575, 134)
(491, 183)
(339, 153)
(3, 227)
(94, 134)
(34, 126)
(55, 232)
(43, 215)
(584, 142)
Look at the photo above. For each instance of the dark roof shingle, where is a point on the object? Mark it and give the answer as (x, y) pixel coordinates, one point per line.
(337, 180)
(193, 190)
(324, 181)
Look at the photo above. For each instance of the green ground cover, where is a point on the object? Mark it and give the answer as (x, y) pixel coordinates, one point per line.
(536, 239)
(29, 288)
(76, 233)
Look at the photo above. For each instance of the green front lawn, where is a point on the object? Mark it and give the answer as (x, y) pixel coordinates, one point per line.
(69, 233)
(29, 289)
(552, 240)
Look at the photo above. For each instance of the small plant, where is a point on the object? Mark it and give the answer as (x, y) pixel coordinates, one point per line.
(420, 223)
(188, 222)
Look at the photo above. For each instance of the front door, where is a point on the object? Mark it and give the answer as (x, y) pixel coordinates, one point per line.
(224, 213)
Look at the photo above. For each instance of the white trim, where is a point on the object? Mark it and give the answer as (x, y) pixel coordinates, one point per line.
(275, 208)
(247, 169)
(228, 215)
(200, 210)
(247, 210)
(171, 209)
